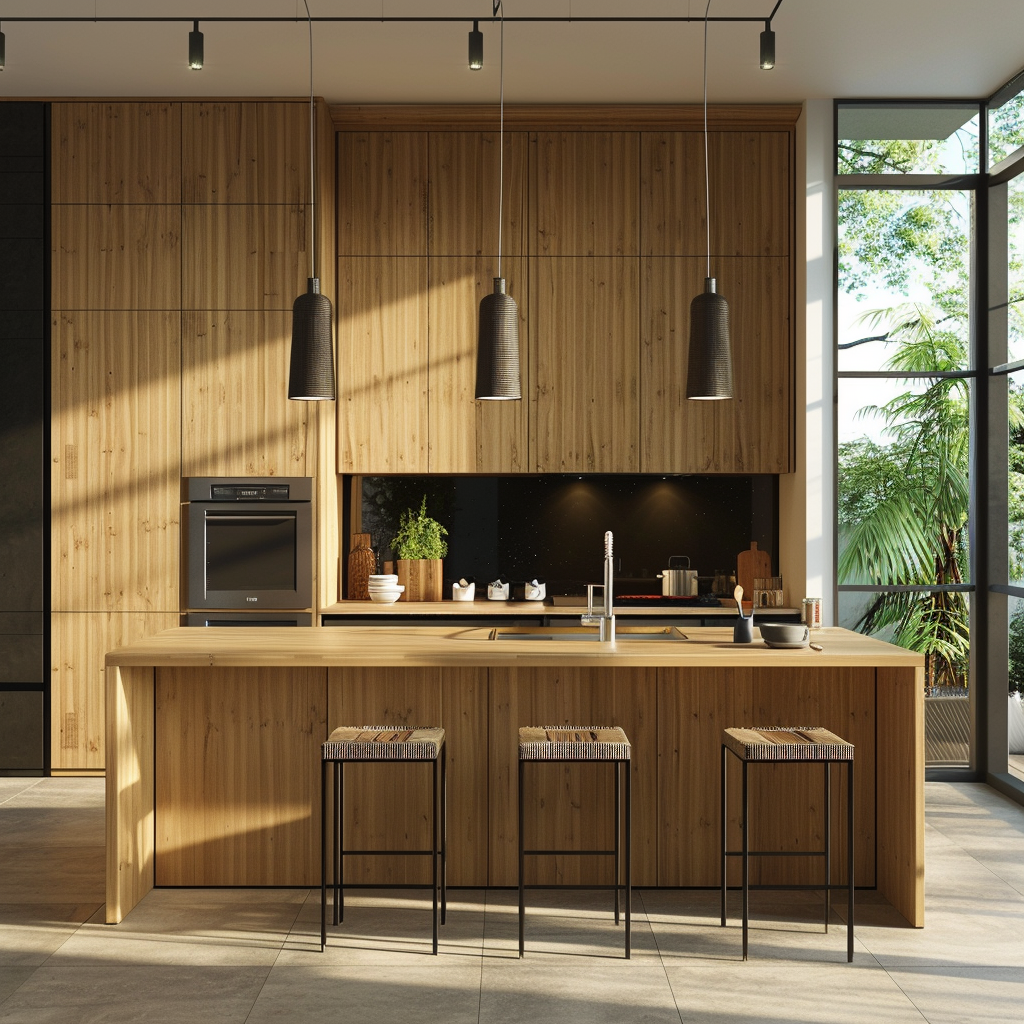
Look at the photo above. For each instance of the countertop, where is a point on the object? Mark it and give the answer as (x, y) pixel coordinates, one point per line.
(470, 646)
(495, 609)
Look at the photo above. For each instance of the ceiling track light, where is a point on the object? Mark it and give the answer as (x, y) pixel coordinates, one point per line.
(709, 374)
(767, 47)
(497, 354)
(3, 51)
(476, 47)
(195, 48)
(311, 371)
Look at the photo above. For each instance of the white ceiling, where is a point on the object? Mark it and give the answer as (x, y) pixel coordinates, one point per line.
(825, 48)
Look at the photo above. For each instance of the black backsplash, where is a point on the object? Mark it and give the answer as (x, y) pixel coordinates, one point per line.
(552, 527)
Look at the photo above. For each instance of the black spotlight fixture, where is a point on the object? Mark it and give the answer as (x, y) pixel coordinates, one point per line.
(311, 374)
(709, 375)
(476, 47)
(767, 47)
(195, 48)
(3, 51)
(497, 355)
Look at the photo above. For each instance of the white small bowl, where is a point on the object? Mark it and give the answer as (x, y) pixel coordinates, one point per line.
(385, 596)
(398, 588)
(384, 578)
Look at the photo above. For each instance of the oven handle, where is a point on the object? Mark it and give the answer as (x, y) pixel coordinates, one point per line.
(250, 518)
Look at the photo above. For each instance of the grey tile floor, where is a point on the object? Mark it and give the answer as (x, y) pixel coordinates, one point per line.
(253, 955)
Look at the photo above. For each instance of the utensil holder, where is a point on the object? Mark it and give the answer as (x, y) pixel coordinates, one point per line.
(743, 631)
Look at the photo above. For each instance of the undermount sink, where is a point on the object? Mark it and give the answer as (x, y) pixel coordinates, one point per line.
(586, 633)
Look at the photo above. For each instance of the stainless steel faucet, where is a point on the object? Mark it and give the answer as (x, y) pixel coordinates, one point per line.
(605, 621)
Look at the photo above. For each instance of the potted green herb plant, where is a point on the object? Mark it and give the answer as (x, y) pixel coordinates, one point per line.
(419, 547)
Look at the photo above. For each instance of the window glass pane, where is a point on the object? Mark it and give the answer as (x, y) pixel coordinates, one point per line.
(1015, 479)
(927, 138)
(1005, 128)
(1015, 269)
(904, 279)
(936, 625)
(903, 481)
(1015, 722)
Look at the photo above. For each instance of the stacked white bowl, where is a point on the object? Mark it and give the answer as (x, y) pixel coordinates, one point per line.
(384, 588)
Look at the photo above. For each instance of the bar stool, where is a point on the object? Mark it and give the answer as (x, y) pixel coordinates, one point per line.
(554, 744)
(777, 745)
(381, 744)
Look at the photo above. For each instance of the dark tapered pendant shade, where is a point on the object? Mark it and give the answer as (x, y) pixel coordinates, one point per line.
(195, 48)
(767, 49)
(497, 354)
(311, 377)
(476, 47)
(710, 369)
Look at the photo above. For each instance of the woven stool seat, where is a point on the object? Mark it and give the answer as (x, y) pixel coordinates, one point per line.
(383, 743)
(778, 744)
(573, 743)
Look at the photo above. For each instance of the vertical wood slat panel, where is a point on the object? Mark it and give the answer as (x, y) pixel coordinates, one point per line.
(237, 775)
(78, 642)
(750, 186)
(241, 152)
(382, 194)
(466, 436)
(389, 806)
(115, 461)
(116, 257)
(752, 433)
(570, 806)
(236, 419)
(584, 345)
(694, 707)
(382, 365)
(585, 193)
(463, 194)
(244, 257)
(116, 153)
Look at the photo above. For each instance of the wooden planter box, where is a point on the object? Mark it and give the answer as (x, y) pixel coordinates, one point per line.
(421, 578)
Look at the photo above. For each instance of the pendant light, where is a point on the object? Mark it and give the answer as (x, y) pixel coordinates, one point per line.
(195, 48)
(311, 377)
(497, 354)
(709, 376)
(476, 47)
(767, 47)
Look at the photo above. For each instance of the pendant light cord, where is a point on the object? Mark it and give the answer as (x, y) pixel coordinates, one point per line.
(501, 126)
(707, 179)
(312, 153)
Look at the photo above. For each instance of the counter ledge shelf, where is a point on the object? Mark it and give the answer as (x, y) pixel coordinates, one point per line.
(213, 744)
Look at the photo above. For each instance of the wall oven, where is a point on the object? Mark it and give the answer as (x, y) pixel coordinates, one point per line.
(249, 544)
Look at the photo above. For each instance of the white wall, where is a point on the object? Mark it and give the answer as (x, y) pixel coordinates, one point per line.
(806, 514)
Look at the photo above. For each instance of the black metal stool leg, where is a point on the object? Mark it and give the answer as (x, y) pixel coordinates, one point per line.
(323, 855)
(746, 861)
(629, 865)
(616, 765)
(339, 841)
(434, 848)
(725, 859)
(828, 839)
(522, 862)
(849, 862)
(444, 833)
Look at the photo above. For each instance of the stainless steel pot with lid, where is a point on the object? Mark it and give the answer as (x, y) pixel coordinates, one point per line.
(678, 582)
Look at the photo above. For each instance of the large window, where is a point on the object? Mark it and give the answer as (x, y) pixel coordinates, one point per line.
(906, 371)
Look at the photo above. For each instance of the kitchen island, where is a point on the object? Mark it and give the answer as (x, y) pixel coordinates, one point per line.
(214, 735)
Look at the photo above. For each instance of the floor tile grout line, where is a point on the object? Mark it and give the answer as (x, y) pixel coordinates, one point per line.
(906, 995)
(661, 957)
(21, 792)
(967, 853)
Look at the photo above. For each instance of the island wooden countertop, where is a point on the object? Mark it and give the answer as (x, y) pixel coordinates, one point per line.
(405, 645)
(563, 608)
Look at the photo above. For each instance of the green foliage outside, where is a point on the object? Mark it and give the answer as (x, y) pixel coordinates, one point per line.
(903, 502)
(419, 536)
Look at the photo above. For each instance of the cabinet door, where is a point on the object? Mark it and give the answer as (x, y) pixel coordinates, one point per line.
(751, 193)
(467, 436)
(584, 340)
(236, 419)
(751, 433)
(115, 461)
(382, 193)
(382, 365)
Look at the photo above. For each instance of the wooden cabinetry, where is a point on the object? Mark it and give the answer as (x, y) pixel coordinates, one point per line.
(605, 215)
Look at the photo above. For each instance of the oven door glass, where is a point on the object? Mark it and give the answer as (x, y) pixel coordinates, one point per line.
(249, 551)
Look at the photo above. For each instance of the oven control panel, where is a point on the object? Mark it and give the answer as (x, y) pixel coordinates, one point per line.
(244, 492)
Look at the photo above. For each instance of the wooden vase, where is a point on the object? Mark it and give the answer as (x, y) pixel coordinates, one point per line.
(361, 563)
(421, 578)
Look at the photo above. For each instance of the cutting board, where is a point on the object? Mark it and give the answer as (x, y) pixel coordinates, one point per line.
(752, 565)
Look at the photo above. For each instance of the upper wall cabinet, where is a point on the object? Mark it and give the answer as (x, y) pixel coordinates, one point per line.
(585, 194)
(116, 153)
(382, 193)
(245, 152)
(751, 193)
(463, 194)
